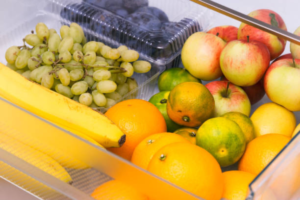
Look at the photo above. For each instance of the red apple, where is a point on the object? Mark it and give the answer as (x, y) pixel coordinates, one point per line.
(201, 54)
(244, 62)
(288, 55)
(282, 83)
(226, 33)
(233, 99)
(294, 48)
(275, 44)
(254, 92)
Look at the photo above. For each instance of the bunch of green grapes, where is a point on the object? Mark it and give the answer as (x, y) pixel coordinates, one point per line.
(90, 73)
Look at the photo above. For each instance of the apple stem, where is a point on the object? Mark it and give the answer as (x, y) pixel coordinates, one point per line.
(228, 83)
(294, 62)
(217, 33)
(248, 38)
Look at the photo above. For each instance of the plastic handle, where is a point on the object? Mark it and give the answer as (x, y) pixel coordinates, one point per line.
(249, 20)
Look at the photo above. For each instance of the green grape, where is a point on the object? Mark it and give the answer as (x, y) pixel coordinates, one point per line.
(38, 73)
(90, 81)
(66, 44)
(106, 86)
(86, 99)
(26, 74)
(73, 65)
(75, 25)
(110, 103)
(76, 74)
(77, 56)
(76, 35)
(47, 80)
(99, 65)
(94, 106)
(90, 72)
(98, 98)
(104, 50)
(114, 95)
(122, 48)
(22, 59)
(89, 58)
(33, 63)
(112, 54)
(84, 40)
(94, 87)
(101, 75)
(33, 40)
(21, 71)
(141, 66)
(116, 64)
(48, 58)
(42, 31)
(64, 90)
(11, 54)
(13, 67)
(132, 85)
(113, 77)
(99, 58)
(54, 42)
(110, 62)
(121, 79)
(79, 88)
(90, 46)
(76, 98)
(123, 89)
(76, 47)
(65, 56)
(129, 69)
(64, 31)
(64, 76)
(51, 32)
(129, 55)
(39, 50)
(100, 45)
(56, 82)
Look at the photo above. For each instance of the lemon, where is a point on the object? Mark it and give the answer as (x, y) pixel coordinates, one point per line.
(273, 118)
(296, 130)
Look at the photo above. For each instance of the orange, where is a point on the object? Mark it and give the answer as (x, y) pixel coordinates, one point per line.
(145, 150)
(244, 123)
(190, 167)
(261, 151)
(236, 184)
(117, 190)
(273, 118)
(188, 133)
(190, 104)
(138, 119)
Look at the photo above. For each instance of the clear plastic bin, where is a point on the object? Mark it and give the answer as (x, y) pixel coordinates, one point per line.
(104, 165)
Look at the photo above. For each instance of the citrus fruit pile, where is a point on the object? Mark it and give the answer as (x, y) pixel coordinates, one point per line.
(191, 133)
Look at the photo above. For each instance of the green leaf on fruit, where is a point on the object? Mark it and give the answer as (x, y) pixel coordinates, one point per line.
(274, 22)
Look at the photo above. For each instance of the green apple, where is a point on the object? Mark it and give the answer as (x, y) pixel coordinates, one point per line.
(160, 101)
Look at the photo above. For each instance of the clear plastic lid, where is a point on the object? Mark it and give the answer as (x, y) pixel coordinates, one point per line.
(156, 29)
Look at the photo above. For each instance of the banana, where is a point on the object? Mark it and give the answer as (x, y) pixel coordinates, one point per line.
(34, 157)
(58, 109)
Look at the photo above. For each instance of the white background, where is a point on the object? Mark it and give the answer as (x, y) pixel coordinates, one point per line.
(11, 12)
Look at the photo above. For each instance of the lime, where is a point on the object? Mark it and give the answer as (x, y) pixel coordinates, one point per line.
(188, 133)
(244, 122)
(160, 101)
(223, 138)
(174, 76)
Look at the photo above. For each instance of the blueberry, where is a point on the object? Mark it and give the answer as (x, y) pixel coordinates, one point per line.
(161, 15)
(133, 5)
(145, 20)
(114, 3)
(118, 10)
